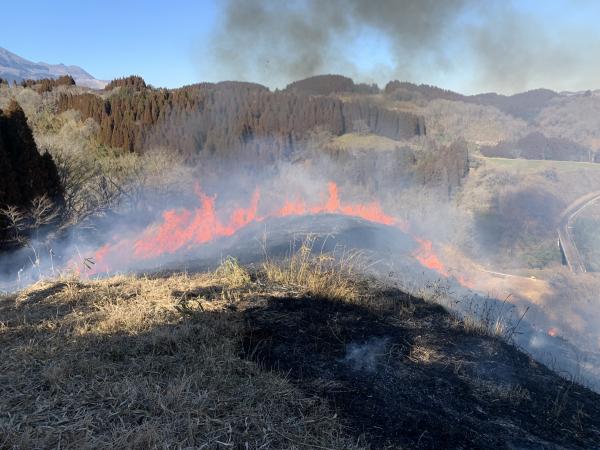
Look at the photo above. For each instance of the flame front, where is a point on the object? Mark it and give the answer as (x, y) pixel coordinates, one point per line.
(185, 229)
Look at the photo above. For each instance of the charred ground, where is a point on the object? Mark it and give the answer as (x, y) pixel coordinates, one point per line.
(406, 374)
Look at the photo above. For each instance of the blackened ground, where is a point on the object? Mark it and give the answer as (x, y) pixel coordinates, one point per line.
(404, 373)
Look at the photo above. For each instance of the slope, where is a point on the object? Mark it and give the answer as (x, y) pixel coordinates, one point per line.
(298, 355)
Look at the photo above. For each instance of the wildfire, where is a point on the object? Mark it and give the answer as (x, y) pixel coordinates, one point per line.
(553, 332)
(332, 205)
(427, 257)
(185, 229)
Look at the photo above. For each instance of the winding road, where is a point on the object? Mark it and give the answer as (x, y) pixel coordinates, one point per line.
(566, 243)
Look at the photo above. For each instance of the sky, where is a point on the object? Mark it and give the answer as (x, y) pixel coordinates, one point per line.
(464, 45)
(158, 40)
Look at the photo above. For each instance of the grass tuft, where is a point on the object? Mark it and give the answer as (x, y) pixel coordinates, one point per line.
(232, 274)
(318, 274)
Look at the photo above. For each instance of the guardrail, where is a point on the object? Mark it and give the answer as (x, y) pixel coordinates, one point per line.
(569, 252)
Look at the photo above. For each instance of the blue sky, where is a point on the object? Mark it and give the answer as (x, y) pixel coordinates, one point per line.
(156, 39)
(167, 42)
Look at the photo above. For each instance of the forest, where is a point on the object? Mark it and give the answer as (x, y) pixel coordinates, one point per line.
(227, 117)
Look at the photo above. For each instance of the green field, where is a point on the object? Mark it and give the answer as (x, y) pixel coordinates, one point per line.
(355, 141)
(534, 165)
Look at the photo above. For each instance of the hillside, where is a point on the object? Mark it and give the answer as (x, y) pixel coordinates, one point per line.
(206, 118)
(208, 160)
(426, 138)
(524, 105)
(537, 146)
(270, 357)
(330, 84)
(568, 121)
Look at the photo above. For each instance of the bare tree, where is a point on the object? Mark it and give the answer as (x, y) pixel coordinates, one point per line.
(43, 211)
(15, 224)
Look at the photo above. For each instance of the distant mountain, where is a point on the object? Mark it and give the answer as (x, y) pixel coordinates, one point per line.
(13, 67)
(524, 105)
(330, 84)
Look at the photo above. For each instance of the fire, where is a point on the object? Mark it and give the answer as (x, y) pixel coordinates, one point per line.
(182, 229)
(464, 281)
(332, 205)
(185, 229)
(553, 332)
(427, 257)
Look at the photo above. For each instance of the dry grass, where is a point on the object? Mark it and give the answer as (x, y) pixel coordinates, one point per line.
(490, 317)
(115, 364)
(355, 141)
(322, 274)
(536, 165)
(423, 354)
(477, 315)
(232, 274)
(166, 363)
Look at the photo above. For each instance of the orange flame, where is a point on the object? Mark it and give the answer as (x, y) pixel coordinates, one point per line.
(332, 205)
(184, 229)
(427, 257)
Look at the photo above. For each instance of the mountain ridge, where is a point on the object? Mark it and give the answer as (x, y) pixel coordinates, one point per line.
(16, 68)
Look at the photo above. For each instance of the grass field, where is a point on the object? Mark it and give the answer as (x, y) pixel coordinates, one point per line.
(534, 165)
(352, 141)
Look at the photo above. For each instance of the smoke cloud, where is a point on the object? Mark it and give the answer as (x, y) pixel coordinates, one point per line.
(462, 44)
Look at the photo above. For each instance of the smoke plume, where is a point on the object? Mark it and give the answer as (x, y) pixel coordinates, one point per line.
(461, 44)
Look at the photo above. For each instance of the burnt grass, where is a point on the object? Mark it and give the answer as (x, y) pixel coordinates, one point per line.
(403, 373)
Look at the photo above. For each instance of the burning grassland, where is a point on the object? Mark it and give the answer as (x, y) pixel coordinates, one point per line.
(296, 354)
(410, 242)
(196, 233)
(185, 229)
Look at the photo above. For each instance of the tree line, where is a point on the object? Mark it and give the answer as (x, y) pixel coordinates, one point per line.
(227, 117)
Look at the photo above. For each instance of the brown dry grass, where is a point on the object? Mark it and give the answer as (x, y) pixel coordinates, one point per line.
(134, 363)
(158, 362)
(318, 274)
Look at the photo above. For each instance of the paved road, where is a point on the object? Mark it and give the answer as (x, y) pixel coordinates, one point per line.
(566, 242)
